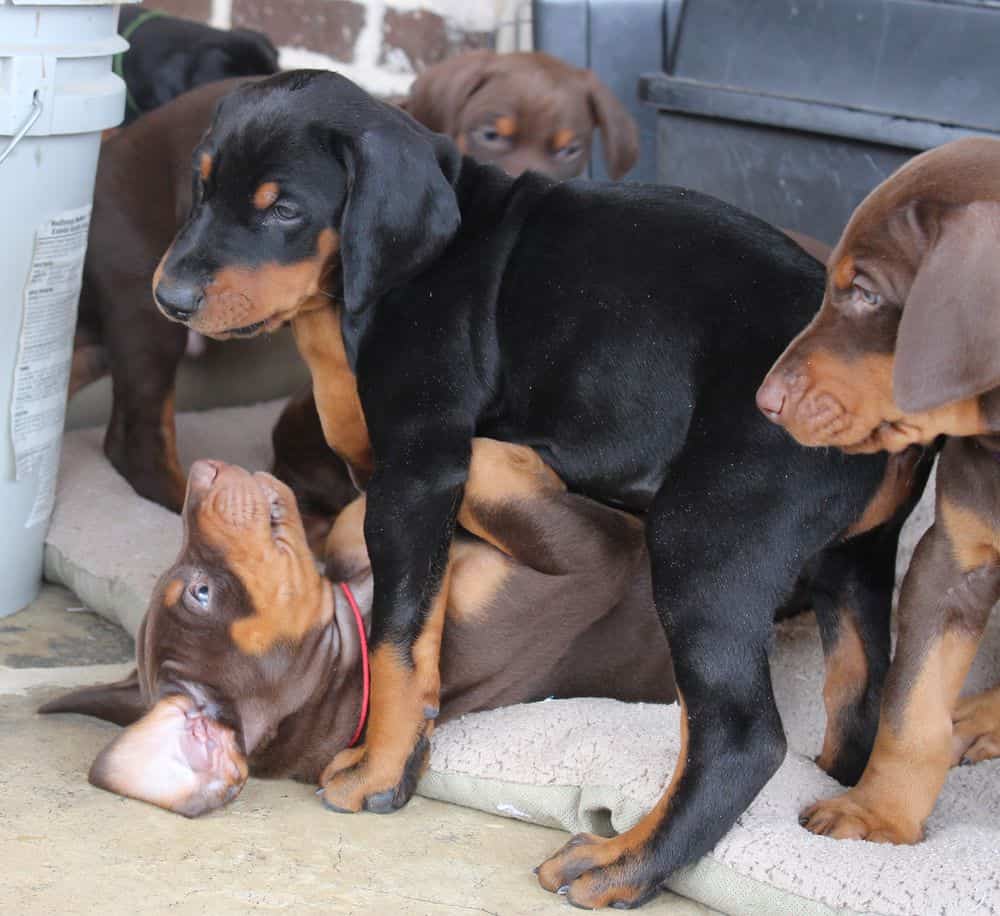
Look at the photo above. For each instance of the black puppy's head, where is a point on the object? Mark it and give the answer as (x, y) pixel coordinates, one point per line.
(305, 188)
(206, 56)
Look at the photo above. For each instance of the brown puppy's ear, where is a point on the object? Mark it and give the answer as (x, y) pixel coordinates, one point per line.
(948, 344)
(619, 134)
(176, 757)
(120, 702)
(438, 96)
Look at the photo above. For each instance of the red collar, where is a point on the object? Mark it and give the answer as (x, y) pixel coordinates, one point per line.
(366, 673)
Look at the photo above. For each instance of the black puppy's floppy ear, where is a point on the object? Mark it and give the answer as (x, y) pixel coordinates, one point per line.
(401, 209)
(948, 343)
(120, 702)
(619, 134)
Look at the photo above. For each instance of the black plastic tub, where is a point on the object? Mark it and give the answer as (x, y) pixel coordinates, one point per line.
(796, 109)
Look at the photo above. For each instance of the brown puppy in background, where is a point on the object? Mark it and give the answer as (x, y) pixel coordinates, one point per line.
(525, 111)
(546, 111)
(906, 347)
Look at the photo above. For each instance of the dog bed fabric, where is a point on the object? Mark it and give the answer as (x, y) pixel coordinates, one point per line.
(588, 764)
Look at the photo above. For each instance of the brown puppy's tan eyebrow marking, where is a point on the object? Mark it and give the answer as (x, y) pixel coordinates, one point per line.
(266, 195)
(562, 138)
(205, 166)
(844, 272)
(506, 126)
(172, 593)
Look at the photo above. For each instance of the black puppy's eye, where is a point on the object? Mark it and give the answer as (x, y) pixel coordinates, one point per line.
(202, 595)
(285, 211)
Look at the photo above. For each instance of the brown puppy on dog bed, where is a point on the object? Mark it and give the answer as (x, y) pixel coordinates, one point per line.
(209, 702)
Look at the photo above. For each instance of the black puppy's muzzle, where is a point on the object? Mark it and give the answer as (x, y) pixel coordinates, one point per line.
(178, 300)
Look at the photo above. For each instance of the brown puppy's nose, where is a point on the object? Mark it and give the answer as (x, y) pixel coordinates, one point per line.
(203, 473)
(771, 397)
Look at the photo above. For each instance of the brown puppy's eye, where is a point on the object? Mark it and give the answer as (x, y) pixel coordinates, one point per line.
(488, 135)
(865, 298)
(570, 151)
(201, 594)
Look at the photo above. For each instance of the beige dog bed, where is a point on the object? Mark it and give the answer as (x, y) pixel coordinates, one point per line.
(586, 764)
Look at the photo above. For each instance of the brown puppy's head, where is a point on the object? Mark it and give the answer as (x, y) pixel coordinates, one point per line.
(525, 111)
(305, 188)
(908, 335)
(241, 633)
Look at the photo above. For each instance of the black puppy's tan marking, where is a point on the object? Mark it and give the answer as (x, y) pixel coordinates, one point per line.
(618, 330)
(904, 348)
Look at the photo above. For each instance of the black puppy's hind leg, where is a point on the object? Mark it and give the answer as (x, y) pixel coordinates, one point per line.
(717, 611)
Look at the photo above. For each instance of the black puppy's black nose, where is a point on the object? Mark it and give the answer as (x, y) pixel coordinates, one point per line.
(178, 300)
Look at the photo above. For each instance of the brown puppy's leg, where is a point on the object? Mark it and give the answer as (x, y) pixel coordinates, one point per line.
(380, 774)
(141, 440)
(852, 597)
(952, 584)
(977, 728)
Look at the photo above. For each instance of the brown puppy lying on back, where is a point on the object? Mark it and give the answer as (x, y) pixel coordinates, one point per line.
(906, 347)
(519, 111)
(249, 661)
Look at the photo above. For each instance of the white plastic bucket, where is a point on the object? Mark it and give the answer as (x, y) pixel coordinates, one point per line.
(57, 93)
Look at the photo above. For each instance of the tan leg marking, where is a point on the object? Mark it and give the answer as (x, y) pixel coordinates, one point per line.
(974, 540)
(977, 728)
(498, 473)
(846, 676)
(321, 344)
(597, 871)
(908, 767)
(478, 573)
(404, 703)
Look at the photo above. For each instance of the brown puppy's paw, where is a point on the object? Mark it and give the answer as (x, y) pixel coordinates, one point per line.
(361, 778)
(976, 735)
(593, 872)
(849, 817)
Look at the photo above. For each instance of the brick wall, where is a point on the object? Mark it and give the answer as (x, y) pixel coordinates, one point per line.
(381, 44)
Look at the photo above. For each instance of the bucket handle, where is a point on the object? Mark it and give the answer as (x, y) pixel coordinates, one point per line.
(34, 115)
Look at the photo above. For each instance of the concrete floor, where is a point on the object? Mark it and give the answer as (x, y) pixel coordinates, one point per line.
(68, 848)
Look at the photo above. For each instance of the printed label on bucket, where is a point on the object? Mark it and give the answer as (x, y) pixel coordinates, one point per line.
(45, 353)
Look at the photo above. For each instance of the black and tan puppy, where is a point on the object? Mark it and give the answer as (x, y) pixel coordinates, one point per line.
(248, 661)
(169, 56)
(906, 347)
(621, 331)
(543, 111)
